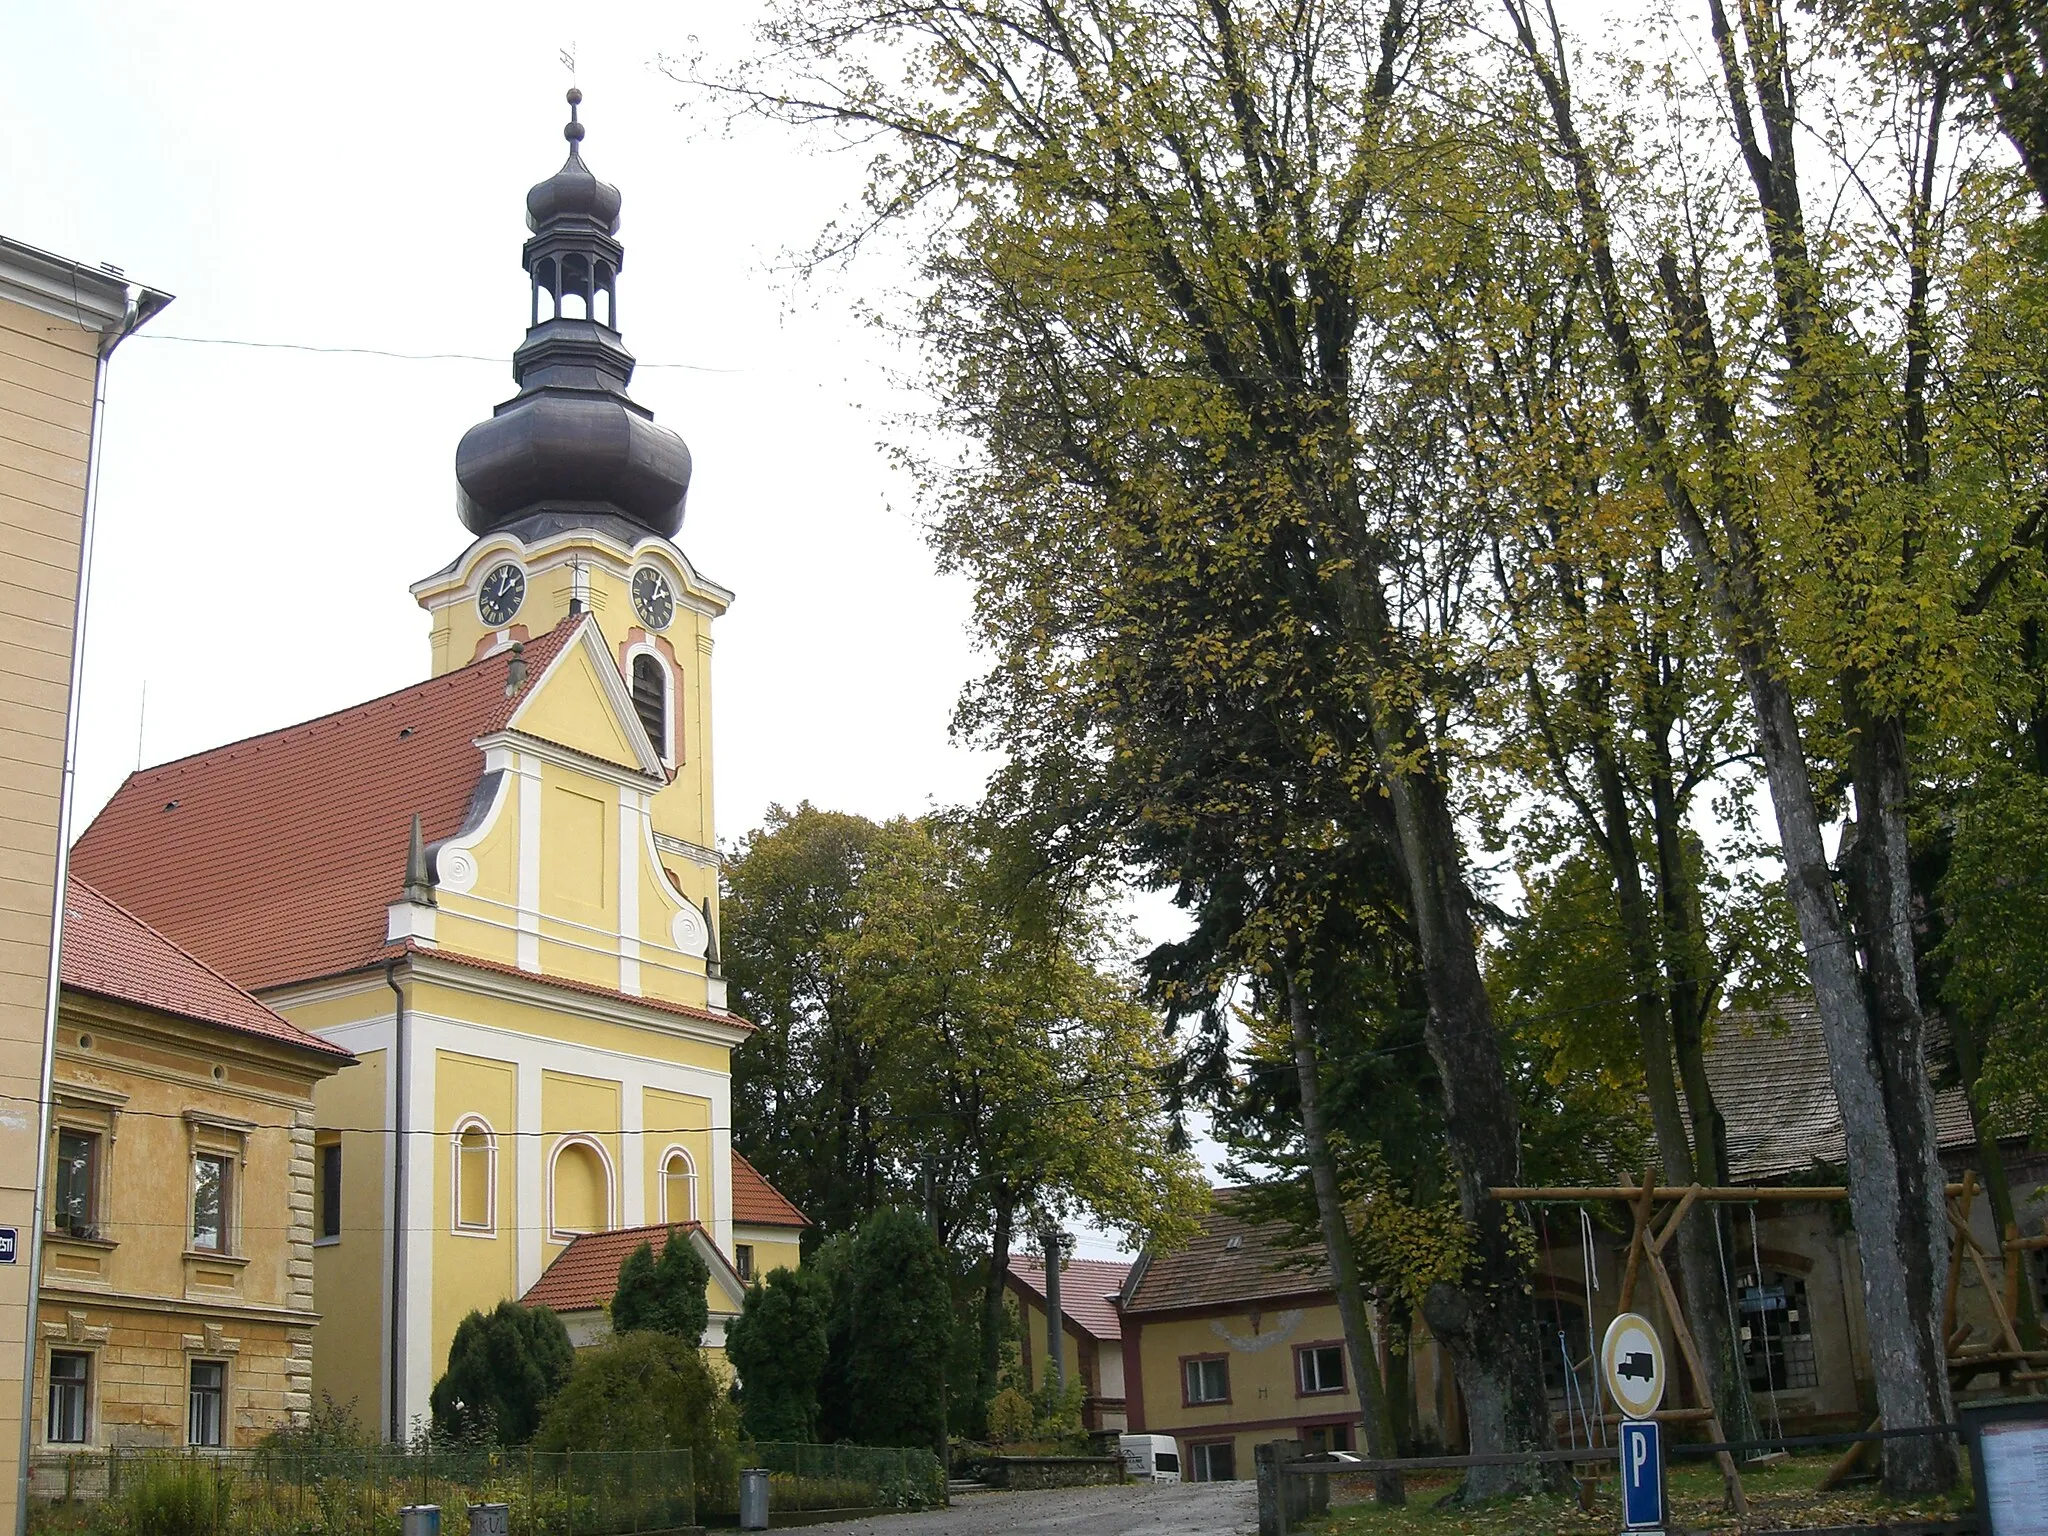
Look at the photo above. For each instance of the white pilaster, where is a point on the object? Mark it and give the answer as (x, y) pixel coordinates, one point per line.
(632, 816)
(632, 1152)
(721, 1163)
(419, 1366)
(528, 1193)
(528, 768)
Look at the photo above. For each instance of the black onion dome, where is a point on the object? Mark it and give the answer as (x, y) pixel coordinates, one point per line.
(572, 448)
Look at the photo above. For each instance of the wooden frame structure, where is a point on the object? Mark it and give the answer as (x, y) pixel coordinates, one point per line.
(2010, 1356)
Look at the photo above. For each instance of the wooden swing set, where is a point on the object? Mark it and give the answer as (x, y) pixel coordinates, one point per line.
(1657, 1209)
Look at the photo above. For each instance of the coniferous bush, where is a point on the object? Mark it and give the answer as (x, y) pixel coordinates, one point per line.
(503, 1367)
(893, 1331)
(665, 1294)
(778, 1347)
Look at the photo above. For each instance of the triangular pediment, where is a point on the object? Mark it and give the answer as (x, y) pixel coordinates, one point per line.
(581, 702)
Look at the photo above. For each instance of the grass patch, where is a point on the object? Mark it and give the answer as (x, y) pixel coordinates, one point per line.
(1781, 1497)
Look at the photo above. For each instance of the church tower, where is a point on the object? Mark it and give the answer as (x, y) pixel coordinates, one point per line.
(496, 888)
(576, 495)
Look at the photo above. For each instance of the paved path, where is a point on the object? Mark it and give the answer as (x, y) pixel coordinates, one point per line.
(1136, 1509)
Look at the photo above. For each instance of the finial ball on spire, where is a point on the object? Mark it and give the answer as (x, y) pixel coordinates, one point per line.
(573, 131)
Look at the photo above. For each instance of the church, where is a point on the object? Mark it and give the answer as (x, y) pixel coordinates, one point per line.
(496, 889)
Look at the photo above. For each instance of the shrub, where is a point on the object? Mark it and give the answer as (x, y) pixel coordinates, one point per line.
(178, 1498)
(896, 1329)
(1011, 1416)
(665, 1294)
(778, 1347)
(642, 1392)
(503, 1367)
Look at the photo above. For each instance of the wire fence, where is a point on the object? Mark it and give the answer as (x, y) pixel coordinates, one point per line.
(290, 1492)
(360, 1493)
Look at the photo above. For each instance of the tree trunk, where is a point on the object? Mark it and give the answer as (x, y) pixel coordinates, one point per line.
(1484, 1322)
(1397, 1333)
(992, 1296)
(1358, 1339)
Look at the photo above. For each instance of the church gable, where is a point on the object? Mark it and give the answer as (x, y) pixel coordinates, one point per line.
(581, 702)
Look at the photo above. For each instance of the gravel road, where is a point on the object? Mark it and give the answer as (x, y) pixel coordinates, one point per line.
(1137, 1509)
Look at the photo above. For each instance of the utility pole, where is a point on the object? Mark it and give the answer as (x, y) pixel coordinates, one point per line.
(1055, 1328)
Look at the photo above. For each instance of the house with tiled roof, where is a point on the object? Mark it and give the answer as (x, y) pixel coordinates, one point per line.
(1092, 1333)
(1232, 1340)
(498, 887)
(176, 1256)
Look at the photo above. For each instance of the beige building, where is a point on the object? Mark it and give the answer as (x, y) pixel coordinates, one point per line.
(177, 1258)
(59, 322)
(1093, 1334)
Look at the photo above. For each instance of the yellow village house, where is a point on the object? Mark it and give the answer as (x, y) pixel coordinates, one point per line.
(498, 887)
(177, 1262)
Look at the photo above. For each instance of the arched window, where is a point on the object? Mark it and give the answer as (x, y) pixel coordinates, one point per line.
(579, 1188)
(650, 699)
(678, 1186)
(475, 1200)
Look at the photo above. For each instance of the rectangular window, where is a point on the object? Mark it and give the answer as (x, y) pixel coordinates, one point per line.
(327, 1191)
(743, 1261)
(1208, 1380)
(70, 1391)
(1326, 1437)
(76, 1212)
(210, 1204)
(1213, 1462)
(207, 1410)
(1777, 1333)
(1320, 1368)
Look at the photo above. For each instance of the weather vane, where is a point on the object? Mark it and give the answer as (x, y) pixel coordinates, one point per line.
(568, 58)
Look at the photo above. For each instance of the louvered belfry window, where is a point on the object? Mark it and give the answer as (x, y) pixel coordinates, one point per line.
(650, 700)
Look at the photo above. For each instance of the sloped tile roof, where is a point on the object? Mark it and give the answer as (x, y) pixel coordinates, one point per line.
(273, 859)
(1233, 1260)
(585, 1275)
(110, 952)
(1087, 1287)
(1769, 1071)
(757, 1203)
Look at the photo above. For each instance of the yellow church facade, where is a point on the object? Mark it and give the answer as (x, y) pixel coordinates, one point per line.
(496, 889)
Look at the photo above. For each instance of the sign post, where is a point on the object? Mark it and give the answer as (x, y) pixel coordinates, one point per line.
(1632, 1363)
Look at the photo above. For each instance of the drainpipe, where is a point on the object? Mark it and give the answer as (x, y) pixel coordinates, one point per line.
(141, 304)
(398, 1138)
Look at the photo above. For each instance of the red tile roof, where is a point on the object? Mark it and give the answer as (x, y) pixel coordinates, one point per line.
(1232, 1261)
(110, 952)
(273, 859)
(585, 1274)
(1086, 1289)
(757, 1203)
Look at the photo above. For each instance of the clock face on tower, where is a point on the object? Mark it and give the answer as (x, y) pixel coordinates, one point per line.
(653, 599)
(504, 589)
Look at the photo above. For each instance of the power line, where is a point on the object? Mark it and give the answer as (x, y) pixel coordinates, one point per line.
(384, 352)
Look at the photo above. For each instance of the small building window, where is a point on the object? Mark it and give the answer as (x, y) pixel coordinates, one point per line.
(207, 1412)
(327, 1192)
(1212, 1461)
(1317, 1438)
(1319, 1368)
(210, 1202)
(1564, 1360)
(1207, 1379)
(678, 1187)
(476, 1177)
(70, 1397)
(650, 699)
(75, 1210)
(743, 1261)
(1777, 1333)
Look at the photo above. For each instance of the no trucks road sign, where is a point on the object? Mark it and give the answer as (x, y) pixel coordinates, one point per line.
(1632, 1363)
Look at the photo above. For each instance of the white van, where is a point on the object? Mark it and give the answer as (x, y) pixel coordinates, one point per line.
(1150, 1458)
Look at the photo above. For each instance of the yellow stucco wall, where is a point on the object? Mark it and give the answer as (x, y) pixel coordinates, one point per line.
(350, 1288)
(677, 1120)
(473, 1270)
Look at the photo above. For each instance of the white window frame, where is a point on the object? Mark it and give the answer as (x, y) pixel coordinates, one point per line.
(92, 1394)
(226, 1381)
(456, 1224)
(668, 1217)
(559, 1233)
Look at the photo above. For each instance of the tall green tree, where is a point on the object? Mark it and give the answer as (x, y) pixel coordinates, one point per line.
(891, 1332)
(666, 1294)
(779, 1347)
(503, 1367)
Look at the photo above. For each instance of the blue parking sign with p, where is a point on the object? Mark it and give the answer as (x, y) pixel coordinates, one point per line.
(1642, 1475)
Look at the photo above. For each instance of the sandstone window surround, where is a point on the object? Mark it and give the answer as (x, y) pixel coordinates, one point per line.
(83, 1123)
(218, 1157)
(71, 1353)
